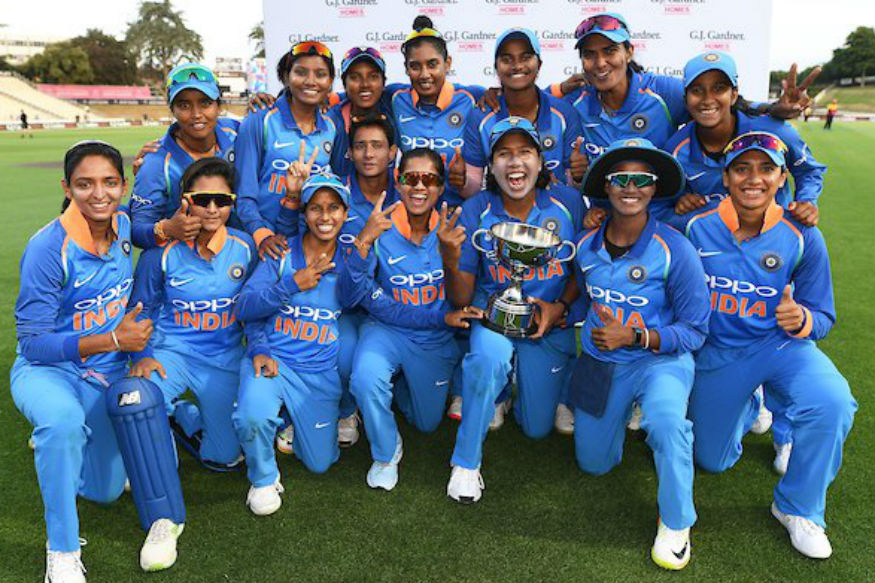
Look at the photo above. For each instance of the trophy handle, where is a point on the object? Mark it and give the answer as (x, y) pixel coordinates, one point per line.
(474, 239)
(570, 255)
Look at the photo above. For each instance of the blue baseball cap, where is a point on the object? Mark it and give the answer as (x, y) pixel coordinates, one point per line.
(610, 25)
(670, 177)
(191, 76)
(710, 61)
(320, 181)
(771, 144)
(513, 124)
(522, 33)
(356, 54)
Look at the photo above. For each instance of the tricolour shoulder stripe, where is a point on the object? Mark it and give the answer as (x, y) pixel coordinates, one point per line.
(667, 255)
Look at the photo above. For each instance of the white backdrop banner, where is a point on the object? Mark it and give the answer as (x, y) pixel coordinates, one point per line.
(666, 33)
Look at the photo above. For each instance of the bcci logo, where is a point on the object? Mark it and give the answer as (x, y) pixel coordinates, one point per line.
(637, 274)
(711, 58)
(638, 123)
(547, 142)
(327, 147)
(771, 262)
(231, 156)
(126, 247)
(455, 119)
(236, 272)
(551, 225)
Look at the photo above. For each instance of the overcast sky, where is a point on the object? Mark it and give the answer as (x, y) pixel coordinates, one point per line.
(802, 30)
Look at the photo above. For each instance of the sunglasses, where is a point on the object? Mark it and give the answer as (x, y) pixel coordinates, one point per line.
(358, 51)
(601, 22)
(203, 199)
(192, 73)
(427, 179)
(756, 140)
(310, 47)
(638, 179)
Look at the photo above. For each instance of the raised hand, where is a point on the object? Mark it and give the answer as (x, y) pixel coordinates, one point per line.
(144, 368)
(297, 174)
(574, 82)
(578, 162)
(804, 212)
(378, 222)
(265, 365)
(148, 148)
(457, 170)
(794, 98)
(309, 277)
(459, 318)
(133, 336)
(182, 226)
(594, 218)
(688, 203)
(613, 334)
(261, 101)
(450, 237)
(273, 246)
(789, 315)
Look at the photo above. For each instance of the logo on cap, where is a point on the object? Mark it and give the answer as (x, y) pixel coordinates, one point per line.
(632, 143)
(327, 147)
(637, 274)
(771, 261)
(711, 57)
(126, 247)
(638, 123)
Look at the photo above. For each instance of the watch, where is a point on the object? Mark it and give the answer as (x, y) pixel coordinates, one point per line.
(639, 336)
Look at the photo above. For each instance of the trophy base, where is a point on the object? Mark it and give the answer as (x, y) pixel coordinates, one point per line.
(510, 318)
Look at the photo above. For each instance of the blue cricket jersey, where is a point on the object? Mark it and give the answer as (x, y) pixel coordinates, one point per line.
(193, 298)
(747, 279)
(156, 193)
(69, 291)
(657, 284)
(269, 141)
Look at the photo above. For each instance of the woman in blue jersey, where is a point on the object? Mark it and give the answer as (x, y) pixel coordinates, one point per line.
(771, 298)
(271, 139)
(73, 340)
(397, 254)
(294, 302)
(192, 288)
(516, 194)
(197, 132)
(648, 311)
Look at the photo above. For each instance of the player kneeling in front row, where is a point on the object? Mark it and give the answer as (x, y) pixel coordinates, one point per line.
(648, 311)
(771, 297)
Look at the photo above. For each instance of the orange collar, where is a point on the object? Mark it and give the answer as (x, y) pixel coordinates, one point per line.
(402, 223)
(726, 210)
(77, 227)
(217, 241)
(445, 97)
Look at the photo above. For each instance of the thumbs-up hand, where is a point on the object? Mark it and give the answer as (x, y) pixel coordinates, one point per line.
(578, 163)
(457, 170)
(132, 335)
(613, 334)
(789, 314)
(182, 226)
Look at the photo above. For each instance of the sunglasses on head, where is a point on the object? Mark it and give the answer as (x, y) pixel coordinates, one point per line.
(601, 22)
(427, 179)
(638, 179)
(756, 140)
(310, 47)
(192, 73)
(357, 51)
(203, 199)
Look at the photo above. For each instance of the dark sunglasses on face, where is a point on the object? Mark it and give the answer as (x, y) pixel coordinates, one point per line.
(427, 179)
(638, 179)
(203, 199)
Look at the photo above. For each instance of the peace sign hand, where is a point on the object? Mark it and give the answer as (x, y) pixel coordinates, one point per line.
(450, 237)
(309, 277)
(297, 174)
(613, 334)
(794, 98)
(378, 221)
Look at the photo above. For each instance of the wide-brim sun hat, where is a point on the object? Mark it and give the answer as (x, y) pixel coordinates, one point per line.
(670, 179)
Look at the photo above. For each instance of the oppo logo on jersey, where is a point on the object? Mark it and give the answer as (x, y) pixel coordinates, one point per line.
(415, 279)
(735, 286)
(310, 313)
(612, 296)
(410, 142)
(215, 305)
(283, 166)
(105, 297)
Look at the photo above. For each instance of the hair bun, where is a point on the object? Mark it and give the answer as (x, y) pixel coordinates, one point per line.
(421, 22)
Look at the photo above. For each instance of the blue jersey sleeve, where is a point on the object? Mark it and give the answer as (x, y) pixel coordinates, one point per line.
(476, 91)
(806, 170)
(573, 130)
(812, 286)
(472, 150)
(288, 221)
(248, 151)
(148, 200)
(671, 89)
(470, 259)
(690, 300)
(266, 291)
(148, 289)
(39, 302)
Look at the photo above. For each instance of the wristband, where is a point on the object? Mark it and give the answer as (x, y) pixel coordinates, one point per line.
(639, 335)
(118, 346)
(646, 339)
(158, 231)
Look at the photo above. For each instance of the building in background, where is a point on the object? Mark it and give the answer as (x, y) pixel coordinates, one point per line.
(231, 74)
(18, 48)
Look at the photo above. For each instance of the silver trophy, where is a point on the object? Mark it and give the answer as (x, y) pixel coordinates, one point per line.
(518, 247)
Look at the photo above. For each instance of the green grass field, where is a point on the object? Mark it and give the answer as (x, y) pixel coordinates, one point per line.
(851, 99)
(540, 518)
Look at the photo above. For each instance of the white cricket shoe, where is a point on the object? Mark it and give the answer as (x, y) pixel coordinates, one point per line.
(64, 567)
(635, 421)
(285, 438)
(385, 475)
(782, 457)
(564, 420)
(348, 430)
(498, 416)
(806, 537)
(465, 486)
(764, 416)
(671, 548)
(159, 550)
(265, 499)
(454, 411)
